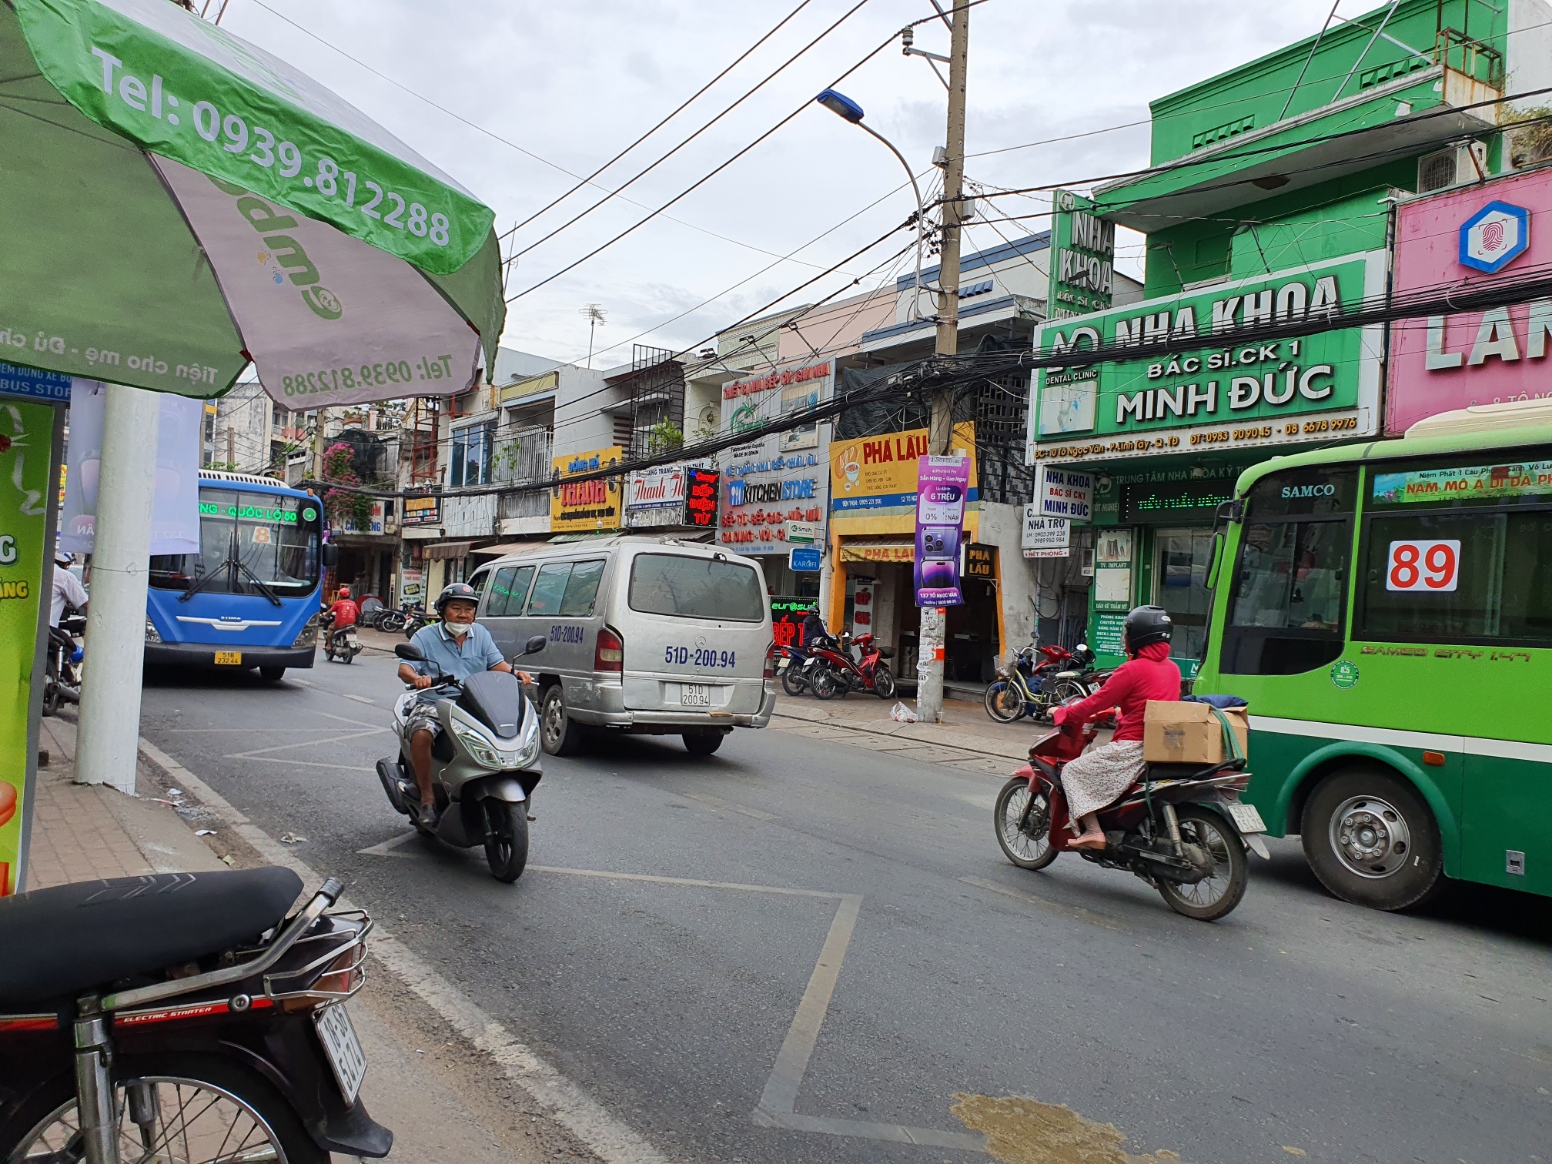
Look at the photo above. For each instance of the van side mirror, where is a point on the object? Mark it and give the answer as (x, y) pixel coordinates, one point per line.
(410, 653)
(330, 556)
(534, 645)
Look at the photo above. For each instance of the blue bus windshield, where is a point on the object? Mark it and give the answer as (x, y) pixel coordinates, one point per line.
(249, 542)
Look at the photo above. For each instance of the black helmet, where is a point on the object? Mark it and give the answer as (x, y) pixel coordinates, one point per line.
(1146, 625)
(459, 591)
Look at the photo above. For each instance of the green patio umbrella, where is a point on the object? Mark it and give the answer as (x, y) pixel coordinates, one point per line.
(176, 202)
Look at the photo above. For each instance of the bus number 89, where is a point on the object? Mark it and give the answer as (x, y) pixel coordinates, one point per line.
(1423, 566)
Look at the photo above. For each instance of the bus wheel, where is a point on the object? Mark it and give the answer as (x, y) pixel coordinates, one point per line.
(272, 674)
(1371, 840)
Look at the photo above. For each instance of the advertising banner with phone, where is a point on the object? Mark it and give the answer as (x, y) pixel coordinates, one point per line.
(942, 485)
(26, 434)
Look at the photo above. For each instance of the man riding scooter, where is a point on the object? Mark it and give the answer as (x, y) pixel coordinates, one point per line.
(455, 648)
(1096, 778)
(344, 611)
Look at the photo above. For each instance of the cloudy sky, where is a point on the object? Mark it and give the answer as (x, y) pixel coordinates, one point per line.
(514, 97)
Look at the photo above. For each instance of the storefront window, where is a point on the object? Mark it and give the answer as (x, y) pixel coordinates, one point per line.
(1180, 587)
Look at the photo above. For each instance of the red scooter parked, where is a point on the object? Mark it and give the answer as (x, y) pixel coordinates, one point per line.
(836, 672)
(1181, 828)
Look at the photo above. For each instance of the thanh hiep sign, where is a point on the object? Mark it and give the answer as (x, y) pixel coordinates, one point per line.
(1220, 390)
(1469, 239)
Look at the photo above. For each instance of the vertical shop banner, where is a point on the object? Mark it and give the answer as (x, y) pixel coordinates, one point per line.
(942, 485)
(175, 509)
(700, 497)
(586, 505)
(1082, 275)
(26, 445)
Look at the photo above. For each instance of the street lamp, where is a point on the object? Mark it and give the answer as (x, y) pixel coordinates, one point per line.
(848, 110)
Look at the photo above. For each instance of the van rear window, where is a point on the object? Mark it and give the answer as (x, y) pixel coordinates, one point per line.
(692, 587)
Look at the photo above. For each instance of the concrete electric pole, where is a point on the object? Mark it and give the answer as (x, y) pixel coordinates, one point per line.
(929, 659)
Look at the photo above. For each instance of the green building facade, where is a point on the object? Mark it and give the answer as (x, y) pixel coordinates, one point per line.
(1268, 200)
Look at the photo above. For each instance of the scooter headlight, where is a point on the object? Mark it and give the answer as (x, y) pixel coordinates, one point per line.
(480, 749)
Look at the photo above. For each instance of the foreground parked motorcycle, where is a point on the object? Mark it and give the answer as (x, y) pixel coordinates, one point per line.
(1182, 828)
(484, 763)
(182, 1017)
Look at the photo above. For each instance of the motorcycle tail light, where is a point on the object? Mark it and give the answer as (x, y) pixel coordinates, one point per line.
(770, 661)
(609, 654)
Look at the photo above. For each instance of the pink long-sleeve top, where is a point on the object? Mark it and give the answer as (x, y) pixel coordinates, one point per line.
(1151, 675)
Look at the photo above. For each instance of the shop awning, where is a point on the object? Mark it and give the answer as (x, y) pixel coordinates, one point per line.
(506, 548)
(447, 550)
(879, 549)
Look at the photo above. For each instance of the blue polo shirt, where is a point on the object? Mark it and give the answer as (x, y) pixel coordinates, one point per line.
(478, 653)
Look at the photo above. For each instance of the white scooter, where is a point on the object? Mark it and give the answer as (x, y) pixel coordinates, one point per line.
(484, 763)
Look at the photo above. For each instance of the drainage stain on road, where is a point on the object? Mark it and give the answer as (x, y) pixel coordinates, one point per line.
(1019, 1130)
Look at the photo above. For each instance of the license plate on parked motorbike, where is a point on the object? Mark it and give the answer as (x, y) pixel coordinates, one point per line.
(341, 1048)
(1246, 818)
(694, 695)
(782, 665)
(228, 658)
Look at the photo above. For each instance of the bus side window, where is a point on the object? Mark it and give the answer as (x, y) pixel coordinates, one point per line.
(1288, 596)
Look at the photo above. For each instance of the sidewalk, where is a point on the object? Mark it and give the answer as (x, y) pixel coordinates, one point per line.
(437, 1094)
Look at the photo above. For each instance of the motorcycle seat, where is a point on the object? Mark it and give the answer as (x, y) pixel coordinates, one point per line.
(68, 939)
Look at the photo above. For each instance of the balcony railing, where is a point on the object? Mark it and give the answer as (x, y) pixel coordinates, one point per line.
(520, 456)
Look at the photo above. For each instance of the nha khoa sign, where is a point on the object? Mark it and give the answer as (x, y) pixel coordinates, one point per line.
(1469, 239)
(1082, 258)
(585, 505)
(1220, 390)
(1064, 493)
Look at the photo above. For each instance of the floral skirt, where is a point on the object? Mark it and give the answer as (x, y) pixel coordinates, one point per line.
(1098, 777)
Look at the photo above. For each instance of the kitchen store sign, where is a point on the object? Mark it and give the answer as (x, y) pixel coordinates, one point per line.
(764, 489)
(1229, 393)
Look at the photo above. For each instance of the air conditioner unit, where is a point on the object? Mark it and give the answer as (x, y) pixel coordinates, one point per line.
(1455, 166)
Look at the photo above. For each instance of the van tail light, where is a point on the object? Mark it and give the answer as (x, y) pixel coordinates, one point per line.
(770, 660)
(609, 655)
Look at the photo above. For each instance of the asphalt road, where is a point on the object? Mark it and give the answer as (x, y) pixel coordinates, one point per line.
(918, 963)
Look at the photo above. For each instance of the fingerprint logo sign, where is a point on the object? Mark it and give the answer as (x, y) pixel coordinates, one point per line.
(1494, 237)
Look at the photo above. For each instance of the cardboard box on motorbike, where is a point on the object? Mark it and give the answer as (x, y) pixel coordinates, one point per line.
(1189, 733)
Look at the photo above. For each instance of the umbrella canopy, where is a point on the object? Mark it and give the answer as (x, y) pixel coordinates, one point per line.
(178, 202)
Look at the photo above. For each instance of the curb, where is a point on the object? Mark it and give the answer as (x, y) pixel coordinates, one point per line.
(902, 732)
(567, 1104)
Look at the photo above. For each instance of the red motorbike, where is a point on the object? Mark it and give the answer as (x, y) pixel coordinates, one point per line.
(1181, 827)
(836, 672)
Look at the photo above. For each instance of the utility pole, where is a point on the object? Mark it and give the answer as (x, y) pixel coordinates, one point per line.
(231, 448)
(929, 656)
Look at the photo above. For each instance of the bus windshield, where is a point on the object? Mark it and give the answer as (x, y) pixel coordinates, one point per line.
(250, 543)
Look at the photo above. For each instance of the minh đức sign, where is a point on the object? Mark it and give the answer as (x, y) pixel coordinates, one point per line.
(1221, 391)
(1469, 239)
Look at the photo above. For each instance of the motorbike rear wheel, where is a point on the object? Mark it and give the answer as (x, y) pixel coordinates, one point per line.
(883, 682)
(1003, 702)
(826, 684)
(1216, 895)
(792, 681)
(391, 621)
(1023, 833)
(195, 1108)
(506, 839)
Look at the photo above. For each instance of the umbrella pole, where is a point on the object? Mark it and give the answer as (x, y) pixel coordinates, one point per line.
(108, 736)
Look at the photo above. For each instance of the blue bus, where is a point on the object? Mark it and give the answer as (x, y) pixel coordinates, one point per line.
(250, 597)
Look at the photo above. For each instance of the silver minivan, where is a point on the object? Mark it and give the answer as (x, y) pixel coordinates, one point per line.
(645, 636)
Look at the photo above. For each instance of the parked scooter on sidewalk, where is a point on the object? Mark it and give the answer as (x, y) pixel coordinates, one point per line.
(795, 668)
(1181, 828)
(342, 645)
(835, 671)
(1038, 680)
(484, 762)
(62, 679)
(182, 1017)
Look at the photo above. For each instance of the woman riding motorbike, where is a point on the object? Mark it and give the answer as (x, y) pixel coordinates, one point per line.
(1096, 778)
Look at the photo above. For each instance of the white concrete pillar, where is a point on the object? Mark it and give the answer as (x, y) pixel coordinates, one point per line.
(108, 735)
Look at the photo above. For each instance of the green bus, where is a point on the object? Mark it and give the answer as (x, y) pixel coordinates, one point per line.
(1386, 609)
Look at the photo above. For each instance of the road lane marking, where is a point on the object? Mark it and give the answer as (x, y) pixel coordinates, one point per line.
(1072, 911)
(305, 763)
(359, 698)
(386, 848)
(613, 1141)
(258, 753)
